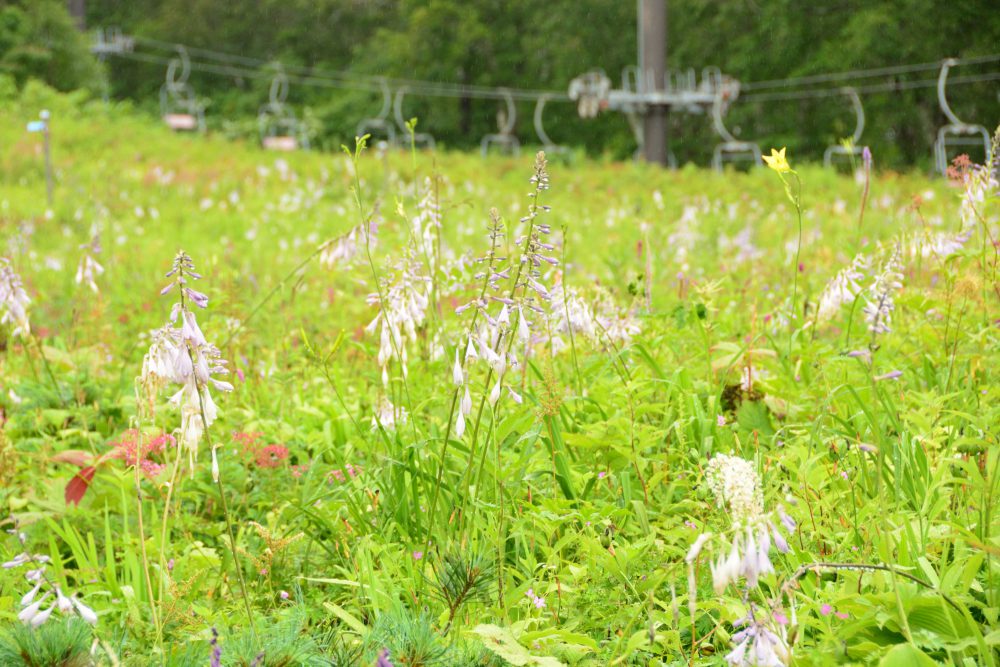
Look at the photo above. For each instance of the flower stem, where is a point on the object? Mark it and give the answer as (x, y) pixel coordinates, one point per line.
(225, 507)
(142, 536)
(795, 269)
(164, 531)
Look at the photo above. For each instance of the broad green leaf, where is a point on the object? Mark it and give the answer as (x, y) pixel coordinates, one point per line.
(906, 655)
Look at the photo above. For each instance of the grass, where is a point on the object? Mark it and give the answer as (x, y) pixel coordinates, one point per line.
(358, 531)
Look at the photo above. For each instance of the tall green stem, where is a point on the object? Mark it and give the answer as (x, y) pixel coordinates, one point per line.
(795, 269)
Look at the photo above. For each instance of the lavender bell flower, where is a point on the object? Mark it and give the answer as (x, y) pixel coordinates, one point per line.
(28, 613)
(216, 660)
(779, 540)
(40, 618)
(182, 356)
(85, 612)
(787, 521)
(13, 301)
(458, 377)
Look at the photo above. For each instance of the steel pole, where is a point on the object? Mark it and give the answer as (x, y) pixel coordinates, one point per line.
(47, 148)
(652, 19)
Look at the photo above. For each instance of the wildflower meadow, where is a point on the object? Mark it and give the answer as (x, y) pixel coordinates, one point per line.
(412, 407)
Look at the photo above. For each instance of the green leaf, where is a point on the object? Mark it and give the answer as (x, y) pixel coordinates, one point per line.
(501, 642)
(906, 655)
(347, 618)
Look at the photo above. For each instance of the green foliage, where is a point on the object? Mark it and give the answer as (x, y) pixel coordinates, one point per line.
(58, 643)
(283, 642)
(528, 45)
(563, 520)
(462, 577)
(39, 40)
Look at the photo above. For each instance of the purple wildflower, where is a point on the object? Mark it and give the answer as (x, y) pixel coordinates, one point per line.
(216, 649)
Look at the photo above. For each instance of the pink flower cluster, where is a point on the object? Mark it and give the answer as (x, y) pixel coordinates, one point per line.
(826, 609)
(263, 456)
(536, 600)
(248, 440)
(128, 448)
(271, 456)
(338, 474)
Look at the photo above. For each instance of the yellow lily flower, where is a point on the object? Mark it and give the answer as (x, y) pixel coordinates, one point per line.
(777, 161)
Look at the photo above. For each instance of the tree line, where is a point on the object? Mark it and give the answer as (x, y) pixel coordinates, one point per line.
(524, 44)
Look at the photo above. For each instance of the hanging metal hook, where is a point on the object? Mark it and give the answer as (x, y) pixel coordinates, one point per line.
(176, 81)
(279, 128)
(731, 148)
(179, 107)
(397, 108)
(380, 123)
(278, 92)
(543, 136)
(506, 119)
(956, 132)
(859, 127)
(942, 85)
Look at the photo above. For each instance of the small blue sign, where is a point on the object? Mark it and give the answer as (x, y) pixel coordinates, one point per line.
(36, 126)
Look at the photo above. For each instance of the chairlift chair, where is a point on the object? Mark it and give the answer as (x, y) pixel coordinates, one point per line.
(179, 107)
(504, 138)
(731, 149)
(852, 149)
(110, 41)
(280, 129)
(419, 138)
(380, 125)
(956, 132)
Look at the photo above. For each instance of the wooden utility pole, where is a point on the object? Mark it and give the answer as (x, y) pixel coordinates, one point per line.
(78, 10)
(652, 20)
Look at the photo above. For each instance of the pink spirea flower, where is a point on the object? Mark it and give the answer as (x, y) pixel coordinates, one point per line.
(271, 456)
(825, 610)
(127, 449)
(417, 555)
(248, 440)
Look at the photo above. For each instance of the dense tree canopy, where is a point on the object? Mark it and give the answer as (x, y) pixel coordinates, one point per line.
(39, 40)
(526, 44)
